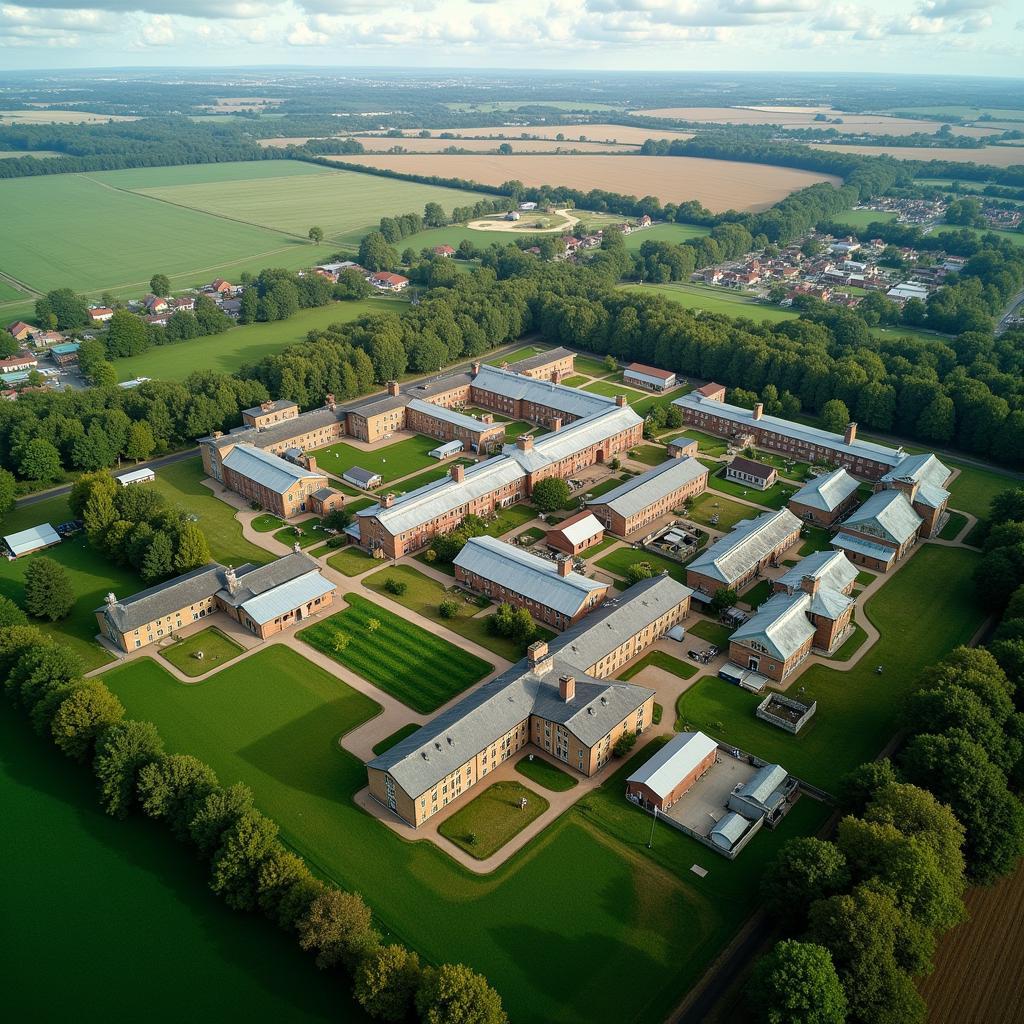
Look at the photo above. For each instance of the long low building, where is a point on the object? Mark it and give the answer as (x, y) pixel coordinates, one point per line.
(36, 538)
(636, 504)
(549, 590)
(664, 779)
(478, 435)
(264, 599)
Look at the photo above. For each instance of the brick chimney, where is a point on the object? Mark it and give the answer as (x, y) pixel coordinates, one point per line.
(217, 433)
(567, 688)
(458, 472)
(758, 410)
(621, 401)
(556, 424)
(487, 418)
(388, 500)
(538, 658)
(524, 442)
(328, 401)
(810, 585)
(231, 580)
(474, 368)
(564, 566)
(393, 388)
(266, 406)
(310, 461)
(851, 433)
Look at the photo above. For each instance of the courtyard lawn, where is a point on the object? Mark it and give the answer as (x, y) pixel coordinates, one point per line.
(619, 560)
(520, 353)
(306, 533)
(774, 497)
(414, 666)
(757, 594)
(851, 645)
(395, 738)
(217, 650)
(575, 381)
(351, 561)
(545, 774)
(707, 444)
(64, 858)
(714, 632)
(790, 468)
(359, 504)
(631, 917)
(925, 609)
(612, 390)
(815, 538)
(181, 484)
(424, 595)
(485, 824)
(602, 546)
(609, 485)
(662, 401)
(591, 367)
(266, 523)
(511, 518)
(707, 505)
(954, 525)
(649, 454)
(659, 659)
(428, 476)
(391, 461)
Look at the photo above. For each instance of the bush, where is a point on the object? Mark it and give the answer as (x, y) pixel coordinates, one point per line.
(448, 608)
(337, 542)
(624, 744)
(638, 571)
(398, 587)
(11, 614)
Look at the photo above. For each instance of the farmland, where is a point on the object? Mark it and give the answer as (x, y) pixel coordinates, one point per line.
(621, 134)
(718, 184)
(41, 115)
(995, 156)
(384, 143)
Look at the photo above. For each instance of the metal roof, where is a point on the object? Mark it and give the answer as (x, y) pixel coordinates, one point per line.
(744, 418)
(759, 788)
(729, 829)
(540, 359)
(780, 625)
(516, 386)
(576, 437)
(442, 451)
(35, 537)
(833, 568)
(287, 597)
(579, 527)
(930, 475)
(860, 546)
(637, 494)
(457, 419)
(278, 406)
(256, 580)
(651, 372)
(163, 599)
(135, 476)
(360, 477)
(750, 541)
(680, 756)
(268, 470)
(887, 515)
(826, 492)
(527, 574)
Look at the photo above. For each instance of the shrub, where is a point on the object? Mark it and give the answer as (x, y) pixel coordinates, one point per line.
(624, 744)
(638, 571)
(397, 587)
(448, 608)
(453, 994)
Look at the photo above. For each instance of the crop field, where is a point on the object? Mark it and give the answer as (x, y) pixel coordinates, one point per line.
(384, 143)
(41, 115)
(718, 184)
(420, 669)
(637, 913)
(617, 133)
(994, 156)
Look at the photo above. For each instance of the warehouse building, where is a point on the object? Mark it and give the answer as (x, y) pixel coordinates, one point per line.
(672, 771)
(649, 377)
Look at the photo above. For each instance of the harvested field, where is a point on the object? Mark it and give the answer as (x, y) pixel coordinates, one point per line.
(382, 143)
(979, 972)
(43, 116)
(588, 132)
(994, 156)
(718, 184)
(803, 117)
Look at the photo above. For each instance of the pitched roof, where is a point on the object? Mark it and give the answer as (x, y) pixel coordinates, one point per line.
(268, 470)
(650, 371)
(579, 527)
(288, 596)
(827, 491)
(541, 392)
(928, 472)
(576, 437)
(886, 514)
(750, 541)
(780, 625)
(767, 780)
(751, 467)
(676, 759)
(833, 568)
(256, 580)
(524, 573)
(457, 419)
(540, 359)
(279, 406)
(650, 486)
(25, 541)
(860, 546)
(155, 602)
(278, 432)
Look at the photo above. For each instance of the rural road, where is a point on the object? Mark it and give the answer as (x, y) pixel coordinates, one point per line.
(1008, 311)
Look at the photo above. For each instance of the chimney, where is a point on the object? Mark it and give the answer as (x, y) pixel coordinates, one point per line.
(388, 500)
(266, 406)
(474, 368)
(310, 461)
(393, 388)
(564, 566)
(538, 657)
(621, 401)
(524, 442)
(111, 599)
(487, 418)
(758, 410)
(810, 585)
(458, 473)
(851, 433)
(231, 580)
(217, 433)
(556, 424)
(567, 688)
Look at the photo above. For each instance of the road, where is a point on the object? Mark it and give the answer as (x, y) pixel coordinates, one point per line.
(1008, 311)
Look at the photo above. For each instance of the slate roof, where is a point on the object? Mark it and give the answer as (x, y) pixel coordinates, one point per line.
(780, 625)
(760, 787)
(676, 759)
(827, 491)
(527, 574)
(457, 419)
(540, 359)
(887, 515)
(833, 568)
(278, 406)
(751, 467)
(750, 541)
(637, 494)
(276, 433)
(930, 475)
(155, 602)
(516, 386)
(359, 476)
(256, 580)
(268, 470)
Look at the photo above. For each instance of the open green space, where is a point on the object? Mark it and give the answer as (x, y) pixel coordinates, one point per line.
(575, 381)
(631, 917)
(815, 538)
(659, 659)
(351, 561)
(790, 468)
(757, 594)
(851, 645)
(610, 390)
(859, 219)
(649, 454)
(267, 523)
(858, 709)
(608, 485)
(644, 406)
(395, 738)
(128, 917)
(706, 506)
(714, 632)
(974, 487)
(414, 666)
(306, 533)
(619, 560)
(390, 461)
(485, 824)
(50, 510)
(774, 497)
(545, 774)
(513, 357)
(707, 444)
(428, 476)
(602, 546)
(590, 366)
(10, 294)
(954, 524)
(424, 596)
(511, 518)
(673, 233)
(249, 343)
(216, 649)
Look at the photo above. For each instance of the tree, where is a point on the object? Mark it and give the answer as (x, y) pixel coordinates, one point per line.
(235, 866)
(7, 491)
(725, 597)
(192, 549)
(159, 558)
(624, 744)
(386, 982)
(39, 460)
(337, 519)
(316, 234)
(638, 571)
(40, 670)
(835, 415)
(858, 788)
(160, 284)
(88, 485)
(454, 994)
(338, 927)
(376, 253)
(448, 608)
(140, 444)
(173, 787)
(66, 310)
(551, 494)
(285, 887)
(88, 710)
(434, 216)
(122, 751)
(10, 614)
(49, 592)
(806, 869)
(351, 284)
(217, 813)
(796, 983)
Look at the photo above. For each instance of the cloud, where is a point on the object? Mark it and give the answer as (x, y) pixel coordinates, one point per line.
(158, 31)
(302, 35)
(162, 8)
(953, 8)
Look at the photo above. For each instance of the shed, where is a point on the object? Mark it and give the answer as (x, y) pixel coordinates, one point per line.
(136, 476)
(446, 450)
(729, 830)
(364, 478)
(762, 794)
(34, 539)
(663, 779)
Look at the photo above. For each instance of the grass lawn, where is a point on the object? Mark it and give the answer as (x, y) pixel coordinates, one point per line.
(729, 513)
(68, 857)
(775, 497)
(180, 484)
(395, 738)
(648, 923)
(428, 476)
(974, 488)
(545, 774)
(787, 467)
(707, 444)
(217, 649)
(611, 390)
(351, 561)
(659, 659)
(817, 539)
(304, 532)
(609, 485)
(490, 820)
(414, 666)
(50, 510)
(534, 533)
(511, 518)
(424, 595)
(267, 523)
(591, 367)
(598, 548)
(516, 428)
(851, 645)
(864, 577)
(645, 405)
(757, 594)
(649, 454)
(954, 525)
(359, 504)
(714, 632)
(619, 560)
(575, 382)
(520, 353)
(857, 710)
(391, 461)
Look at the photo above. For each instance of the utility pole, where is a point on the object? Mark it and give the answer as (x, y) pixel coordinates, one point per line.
(650, 842)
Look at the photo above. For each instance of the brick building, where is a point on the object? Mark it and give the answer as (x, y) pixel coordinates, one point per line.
(477, 435)
(881, 532)
(922, 479)
(275, 484)
(576, 534)
(665, 778)
(750, 473)
(825, 498)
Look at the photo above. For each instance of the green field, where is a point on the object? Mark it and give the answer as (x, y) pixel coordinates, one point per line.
(483, 825)
(857, 710)
(674, 233)
(858, 219)
(414, 666)
(306, 533)
(619, 560)
(393, 460)
(242, 346)
(707, 444)
(637, 914)
(709, 504)
(130, 919)
(351, 561)
(217, 650)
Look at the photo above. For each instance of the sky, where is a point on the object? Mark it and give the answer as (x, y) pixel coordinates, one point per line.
(969, 37)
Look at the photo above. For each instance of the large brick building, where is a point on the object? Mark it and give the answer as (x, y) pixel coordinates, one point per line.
(881, 532)
(276, 484)
(825, 498)
(922, 479)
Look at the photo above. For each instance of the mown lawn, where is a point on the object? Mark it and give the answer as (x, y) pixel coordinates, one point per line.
(707, 444)
(305, 533)
(511, 518)
(513, 357)
(592, 367)
(649, 454)
(351, 561)
(545, 774)
(817, 539)
(714, 632)
(774, 497)
(428, 476)
(485, 824)
(974, 488)
(390, 461)
(857, 710)
(757, 594)
(608, 485)
(267, 523)
(659, 659)
(395, 738)
(612, 390)
(661, 401)
(707, 505)
(414, 666)
(619, 560)
(217, 650)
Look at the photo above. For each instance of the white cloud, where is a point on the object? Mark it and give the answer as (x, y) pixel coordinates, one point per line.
(302, 35)
(158, 31)
(186, 8)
